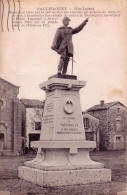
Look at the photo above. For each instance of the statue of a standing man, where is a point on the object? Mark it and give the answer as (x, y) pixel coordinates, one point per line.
(63, 45)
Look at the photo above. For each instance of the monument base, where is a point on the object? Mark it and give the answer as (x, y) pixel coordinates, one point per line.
(66, 177)
(63, 163)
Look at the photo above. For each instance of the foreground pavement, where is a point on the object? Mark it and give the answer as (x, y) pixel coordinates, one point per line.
(115, 160)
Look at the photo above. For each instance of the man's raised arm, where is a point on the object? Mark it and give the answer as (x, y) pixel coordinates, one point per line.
(80, 27)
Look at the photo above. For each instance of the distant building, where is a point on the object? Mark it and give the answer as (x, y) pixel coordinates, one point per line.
(112, 124)
(91, 127)
(33, 112)
(20, 120)
(10, 127)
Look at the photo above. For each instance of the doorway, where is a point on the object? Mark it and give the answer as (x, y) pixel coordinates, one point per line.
(3, 137)
(1, 141)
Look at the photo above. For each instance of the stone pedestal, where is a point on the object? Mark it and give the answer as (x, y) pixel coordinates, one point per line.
(63, 152)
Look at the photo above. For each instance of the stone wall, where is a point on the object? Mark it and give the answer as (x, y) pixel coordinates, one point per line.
(33, 115)
(6, 117)
(117, 127)
(92, 131)
(7, 93)
(104, 139)
(13, 124)
(18, 125)
(112, 127)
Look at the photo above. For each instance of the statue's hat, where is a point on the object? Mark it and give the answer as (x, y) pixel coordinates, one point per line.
(66, 18)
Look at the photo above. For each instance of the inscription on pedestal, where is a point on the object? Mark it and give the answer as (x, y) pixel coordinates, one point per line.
(48, 118)
(49, 107)
(68, 126)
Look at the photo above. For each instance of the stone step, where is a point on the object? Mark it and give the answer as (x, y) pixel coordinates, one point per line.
(7, 153)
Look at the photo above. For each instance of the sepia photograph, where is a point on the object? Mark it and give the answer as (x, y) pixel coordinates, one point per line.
(63, 97)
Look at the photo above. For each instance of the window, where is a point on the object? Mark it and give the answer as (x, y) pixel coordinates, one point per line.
(118, 137)
(37, 125)
(1, 136)
(86, 123)
(118, 125)
(118, 110)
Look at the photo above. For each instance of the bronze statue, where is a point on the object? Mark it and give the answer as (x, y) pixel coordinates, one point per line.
(63, 45)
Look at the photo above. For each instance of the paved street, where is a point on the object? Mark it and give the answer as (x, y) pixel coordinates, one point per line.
(115, 160)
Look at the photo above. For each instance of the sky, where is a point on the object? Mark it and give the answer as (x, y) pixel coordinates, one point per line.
(99, 51)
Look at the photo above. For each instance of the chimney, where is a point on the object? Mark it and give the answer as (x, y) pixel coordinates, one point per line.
(102, 103)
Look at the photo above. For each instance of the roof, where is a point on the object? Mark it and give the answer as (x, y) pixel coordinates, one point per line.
(29, 103)
(89, 114)
(9, 83)
(105, 106)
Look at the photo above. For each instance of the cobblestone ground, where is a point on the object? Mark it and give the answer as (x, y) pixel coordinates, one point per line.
(9, 180)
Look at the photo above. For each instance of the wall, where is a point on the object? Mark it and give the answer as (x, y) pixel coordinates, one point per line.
(92, 132)
(32, 115)
(18, 125)
(112, 126)
(7, 93)
(117, 119)
(103, 125)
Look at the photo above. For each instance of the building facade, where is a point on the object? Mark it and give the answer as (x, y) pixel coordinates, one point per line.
(112, 124)
(91, 128)
(33, 112)
(10, 127)
(20, 120)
